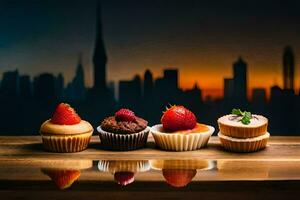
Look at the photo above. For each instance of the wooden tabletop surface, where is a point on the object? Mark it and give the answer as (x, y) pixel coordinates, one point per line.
(30, 147)
(272, 173)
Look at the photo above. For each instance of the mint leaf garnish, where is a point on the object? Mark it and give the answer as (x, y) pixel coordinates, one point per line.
(246, 116)
(236, 112)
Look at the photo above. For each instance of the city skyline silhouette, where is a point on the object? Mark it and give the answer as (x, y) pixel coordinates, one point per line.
(28, 101)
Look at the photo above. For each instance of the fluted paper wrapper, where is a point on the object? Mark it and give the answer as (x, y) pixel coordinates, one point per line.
(247, 146)
(123, 142)
(242, 132)
(66, 143)
(180, 142)
(113, 166)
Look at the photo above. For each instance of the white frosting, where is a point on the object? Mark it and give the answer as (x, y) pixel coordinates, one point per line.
(234, 120)
(49, 128)
(266, 135)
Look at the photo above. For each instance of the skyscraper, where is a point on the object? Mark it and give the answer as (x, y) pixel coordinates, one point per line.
(240, 81)
(10, 84)
(99, 57)
(171, 79)
(130, 91)
(228, 88)
(148, 84)
(25, 87)
(59, 86)
(44, 87)
(288, 68)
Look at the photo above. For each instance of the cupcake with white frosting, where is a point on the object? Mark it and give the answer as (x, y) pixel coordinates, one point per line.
(243, 131)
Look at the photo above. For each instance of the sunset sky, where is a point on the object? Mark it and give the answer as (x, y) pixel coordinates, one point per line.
(200, 38)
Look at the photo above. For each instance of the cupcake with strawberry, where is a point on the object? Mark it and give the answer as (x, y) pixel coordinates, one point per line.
(66, 132)
(124, 131)
(180, 131)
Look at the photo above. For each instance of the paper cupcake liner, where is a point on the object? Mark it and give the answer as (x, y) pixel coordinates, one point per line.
(242, 132)
(180, 142)
(66, 143)
(200, 164)
(113, 166)
(123, 142)
(248, 145)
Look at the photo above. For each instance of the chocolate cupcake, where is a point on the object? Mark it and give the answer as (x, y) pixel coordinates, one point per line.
(124, 131)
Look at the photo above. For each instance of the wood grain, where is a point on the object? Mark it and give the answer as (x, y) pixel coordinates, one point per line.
(30, 147)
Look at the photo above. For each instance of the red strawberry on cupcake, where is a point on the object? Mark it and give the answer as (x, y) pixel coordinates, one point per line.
(125, 115)
(178, 118)
(64, 114)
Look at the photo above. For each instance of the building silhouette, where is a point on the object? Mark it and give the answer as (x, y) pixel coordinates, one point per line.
(228, 89)
(240, 82)
(130, 92)
(288, 69)
(148, 84)
(10, 84)
(25, 87)
(59, 86)
(99, 57)
(76, 90)
(44, 87)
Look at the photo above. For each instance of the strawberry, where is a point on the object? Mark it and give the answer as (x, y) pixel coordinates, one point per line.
(64, 114)
(125, 115)
(124, 178)
(178, 118)
(179, 177)
(62, 178)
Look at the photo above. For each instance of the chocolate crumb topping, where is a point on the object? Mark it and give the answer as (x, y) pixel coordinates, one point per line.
(110, 124)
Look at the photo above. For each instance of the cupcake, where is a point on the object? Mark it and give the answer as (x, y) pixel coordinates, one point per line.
(124, 170)
(124, 131)
(179, 173)
(65, 132)
(243, 131)
(179, 131)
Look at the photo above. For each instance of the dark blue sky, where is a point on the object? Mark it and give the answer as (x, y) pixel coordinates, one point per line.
(201, 38)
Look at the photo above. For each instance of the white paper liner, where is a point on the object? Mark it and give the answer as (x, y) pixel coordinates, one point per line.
(180, 142)
(113, 166)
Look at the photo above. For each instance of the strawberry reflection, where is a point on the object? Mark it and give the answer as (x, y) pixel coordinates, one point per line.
(179, 173)
(124, 170)
(62, 178)
(65, 173)
(179, 177)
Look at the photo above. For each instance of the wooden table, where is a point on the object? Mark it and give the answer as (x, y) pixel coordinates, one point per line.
(273, 173)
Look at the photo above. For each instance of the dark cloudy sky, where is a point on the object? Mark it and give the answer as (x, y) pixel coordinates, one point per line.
(201, 38)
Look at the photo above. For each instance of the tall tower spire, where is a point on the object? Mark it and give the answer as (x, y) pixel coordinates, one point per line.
(99, 57)
(288, 68)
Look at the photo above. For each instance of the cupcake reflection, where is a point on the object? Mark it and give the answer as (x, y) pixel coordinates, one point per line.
(65, 173)
(179, 173)
(123, 170)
